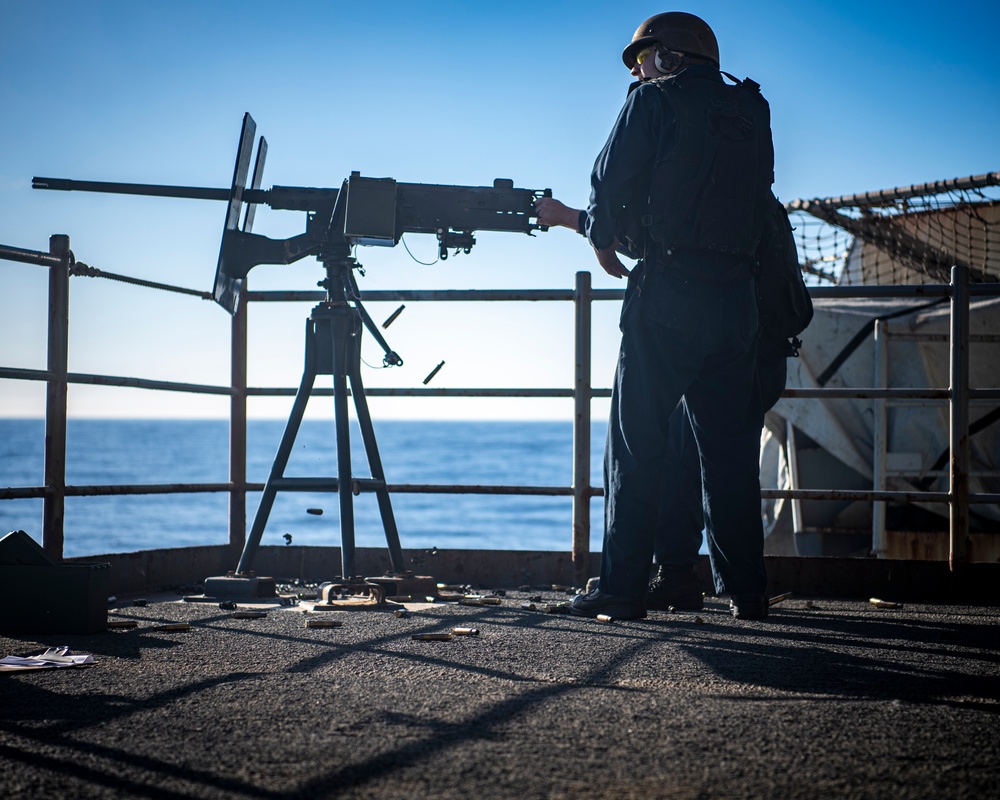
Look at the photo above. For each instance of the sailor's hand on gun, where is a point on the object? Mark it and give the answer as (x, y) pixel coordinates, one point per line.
(552, 213)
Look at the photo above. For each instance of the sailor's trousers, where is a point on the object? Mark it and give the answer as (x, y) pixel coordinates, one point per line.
(697, 341)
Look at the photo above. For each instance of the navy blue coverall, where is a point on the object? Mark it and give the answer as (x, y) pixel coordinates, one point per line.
(681, 338)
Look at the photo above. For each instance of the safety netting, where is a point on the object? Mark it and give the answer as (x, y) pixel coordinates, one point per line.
(905, 235)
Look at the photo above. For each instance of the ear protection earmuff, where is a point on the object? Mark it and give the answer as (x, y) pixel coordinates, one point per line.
(666, 61)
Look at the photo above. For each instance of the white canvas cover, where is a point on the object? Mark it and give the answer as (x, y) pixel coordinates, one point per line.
(917, 432)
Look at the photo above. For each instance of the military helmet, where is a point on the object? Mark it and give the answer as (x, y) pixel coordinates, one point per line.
(675, 30)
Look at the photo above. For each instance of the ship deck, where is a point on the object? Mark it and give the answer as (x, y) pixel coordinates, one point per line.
(826, 698)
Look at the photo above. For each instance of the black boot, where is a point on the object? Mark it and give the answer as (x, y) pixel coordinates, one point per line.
(609, 605)
(749, 606)
(675, 587)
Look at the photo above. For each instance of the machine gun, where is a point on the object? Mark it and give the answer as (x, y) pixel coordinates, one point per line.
(363, 211)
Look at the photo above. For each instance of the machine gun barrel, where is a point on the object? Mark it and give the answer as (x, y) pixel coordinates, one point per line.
(148, 189)
(291, 198)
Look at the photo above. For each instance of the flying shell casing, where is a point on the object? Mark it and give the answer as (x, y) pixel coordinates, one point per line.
(604, 618)
(392, 316)
(884, 603)
(779, 598)
(433, 372)
(465, 631)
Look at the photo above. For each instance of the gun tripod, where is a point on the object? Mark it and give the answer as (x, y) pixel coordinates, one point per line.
(333, 347)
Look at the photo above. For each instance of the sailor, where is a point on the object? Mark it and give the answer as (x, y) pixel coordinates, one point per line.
(681, 185)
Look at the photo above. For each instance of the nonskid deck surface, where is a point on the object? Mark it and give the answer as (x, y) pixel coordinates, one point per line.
(823, 699)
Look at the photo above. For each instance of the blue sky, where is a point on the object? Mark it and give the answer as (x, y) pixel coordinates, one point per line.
(863, 96)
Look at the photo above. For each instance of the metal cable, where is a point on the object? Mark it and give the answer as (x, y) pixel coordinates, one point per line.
(79, 268)
(422, 263)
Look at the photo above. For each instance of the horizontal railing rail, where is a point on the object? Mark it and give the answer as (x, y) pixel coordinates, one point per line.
(818, 392)
(365, 484)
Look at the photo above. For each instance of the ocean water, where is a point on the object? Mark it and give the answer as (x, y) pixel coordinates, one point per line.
(196, 451)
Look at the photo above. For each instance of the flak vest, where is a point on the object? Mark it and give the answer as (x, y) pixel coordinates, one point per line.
(709, 189)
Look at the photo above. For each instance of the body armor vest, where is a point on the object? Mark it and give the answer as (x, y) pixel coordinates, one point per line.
(708, 190)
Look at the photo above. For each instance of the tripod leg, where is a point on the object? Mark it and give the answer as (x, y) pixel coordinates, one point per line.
(341, 332)
(375, 465)
(344, 477)
(281, 457)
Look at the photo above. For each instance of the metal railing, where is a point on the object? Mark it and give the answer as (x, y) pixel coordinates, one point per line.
(60, 260)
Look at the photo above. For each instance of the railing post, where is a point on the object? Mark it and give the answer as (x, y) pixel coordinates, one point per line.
(581, 429)
(880, 424)
(959, 416)
(54, 505)
(792, 455)
(238, 426)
